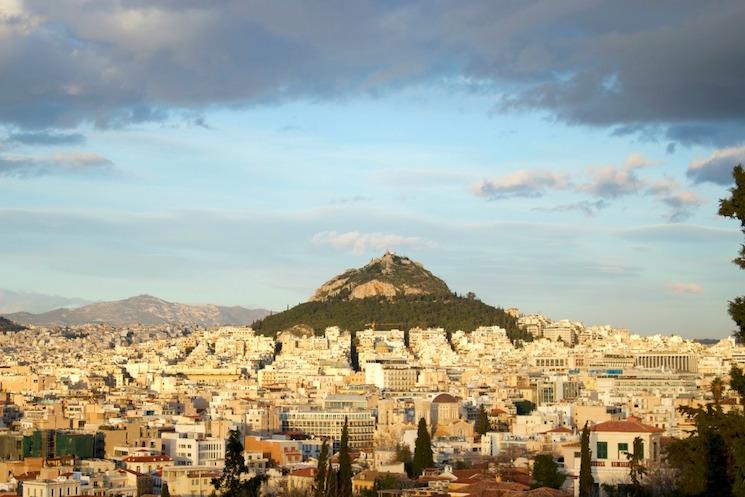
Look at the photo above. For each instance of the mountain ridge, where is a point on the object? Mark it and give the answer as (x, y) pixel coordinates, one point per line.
(142, 309)
(390, 276)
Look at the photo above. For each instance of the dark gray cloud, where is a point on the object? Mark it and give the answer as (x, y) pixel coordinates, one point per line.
(718, 167)
(20, 166)
(631, 64)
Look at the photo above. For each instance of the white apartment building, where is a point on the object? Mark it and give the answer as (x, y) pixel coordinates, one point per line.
(193, 451)
(390, 374)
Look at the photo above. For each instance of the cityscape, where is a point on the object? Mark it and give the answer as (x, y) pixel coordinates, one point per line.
(371, 249)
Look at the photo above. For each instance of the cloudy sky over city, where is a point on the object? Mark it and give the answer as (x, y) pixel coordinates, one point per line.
(561, 157)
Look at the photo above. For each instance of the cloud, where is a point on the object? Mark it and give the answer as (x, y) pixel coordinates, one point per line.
(685, 288)
(587, 207)
(60, 163)
(360, 243)
(45, 138)
(597, 63)
(612, 182)
(682, 204)
(669, 193)
(717, 168)
(522, 183)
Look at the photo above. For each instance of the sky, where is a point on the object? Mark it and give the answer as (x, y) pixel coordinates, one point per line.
(565, 158)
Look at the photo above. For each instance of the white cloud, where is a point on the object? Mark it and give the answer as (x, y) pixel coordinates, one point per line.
(685, 288)
(359, 243)
(522, 183)
(717, 168)
(613, 182)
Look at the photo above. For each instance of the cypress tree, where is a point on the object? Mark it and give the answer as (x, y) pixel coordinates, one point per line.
(636, 469)
(422, 449)
(332, 483)
(164, 492)
(345, 464)
(230, 484)
(482, 421)
(230, 480)
(586, 481)
(319, 486)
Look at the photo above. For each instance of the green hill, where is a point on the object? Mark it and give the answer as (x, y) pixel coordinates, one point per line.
(455, 313)
(8, 325)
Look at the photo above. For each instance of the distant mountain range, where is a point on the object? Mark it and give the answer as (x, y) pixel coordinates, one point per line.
(390, 292)
(143, 309)
(11, 301)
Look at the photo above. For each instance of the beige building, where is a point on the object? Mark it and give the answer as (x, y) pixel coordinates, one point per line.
(610, 442)
(190, 481)
(51, 488)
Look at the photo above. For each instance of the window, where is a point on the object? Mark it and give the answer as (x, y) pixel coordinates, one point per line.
(622, 448)
(602, 450)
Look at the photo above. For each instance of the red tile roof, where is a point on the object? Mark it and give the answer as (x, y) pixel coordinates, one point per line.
(630, 425)
(444, 398)
(305, 472)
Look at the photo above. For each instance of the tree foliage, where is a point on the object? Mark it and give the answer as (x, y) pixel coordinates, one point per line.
(164, 492)
(711, 460)
(482, 424)
(454, 313)
(403, 454)
(332, 482)
(524, 407)
(586, 481)
(422, 449)
(734, 207)
(231, 483)
(737, 382)
(712, 457)
(319, 485)
(8, 325)
(345, 464)
(636, 467)
(546, 472)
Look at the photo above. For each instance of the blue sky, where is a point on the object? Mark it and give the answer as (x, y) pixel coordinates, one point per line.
(517, 165)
